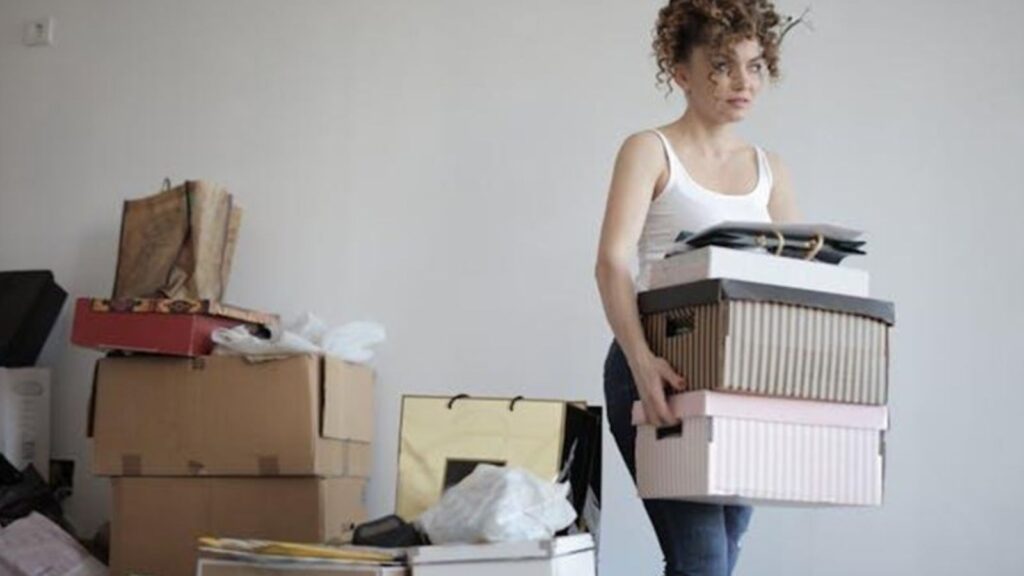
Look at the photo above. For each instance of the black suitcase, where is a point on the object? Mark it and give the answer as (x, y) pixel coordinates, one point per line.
(30, 302)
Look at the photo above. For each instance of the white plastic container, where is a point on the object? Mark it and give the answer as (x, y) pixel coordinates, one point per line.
(25, 417)
(563, 556)
(738, 449)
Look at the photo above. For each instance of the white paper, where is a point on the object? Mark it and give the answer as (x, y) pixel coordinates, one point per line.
(34, 545)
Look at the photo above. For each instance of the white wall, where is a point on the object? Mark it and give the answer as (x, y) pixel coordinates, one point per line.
(441, 167)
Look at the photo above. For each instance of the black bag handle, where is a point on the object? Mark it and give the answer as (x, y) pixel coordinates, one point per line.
(454, 398)
(511, 404)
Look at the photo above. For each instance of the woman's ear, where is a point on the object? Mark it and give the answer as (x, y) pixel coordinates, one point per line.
(682, 78)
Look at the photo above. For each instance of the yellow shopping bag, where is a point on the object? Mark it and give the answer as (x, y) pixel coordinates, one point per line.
(442, 440)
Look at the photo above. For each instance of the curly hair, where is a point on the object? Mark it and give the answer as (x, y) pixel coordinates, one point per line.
(685, 24)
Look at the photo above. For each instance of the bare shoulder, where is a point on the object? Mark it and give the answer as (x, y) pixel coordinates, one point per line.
(782, 204)
(641, 146)
(776, 164)
(641, 160)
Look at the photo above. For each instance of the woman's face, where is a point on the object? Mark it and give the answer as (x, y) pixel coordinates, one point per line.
(722, 86)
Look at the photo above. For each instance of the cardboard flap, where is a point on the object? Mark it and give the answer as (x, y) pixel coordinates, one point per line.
(346, 400)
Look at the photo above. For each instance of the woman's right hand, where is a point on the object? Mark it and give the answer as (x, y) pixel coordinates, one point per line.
(651, 375)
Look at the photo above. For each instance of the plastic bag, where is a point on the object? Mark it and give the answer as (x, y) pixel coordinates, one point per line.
(306, 334)
(496, 504)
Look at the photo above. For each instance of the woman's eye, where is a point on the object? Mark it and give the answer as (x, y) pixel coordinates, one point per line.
(720, 66)
(757, 67)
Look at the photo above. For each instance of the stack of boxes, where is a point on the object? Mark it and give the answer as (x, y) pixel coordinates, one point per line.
(219, 446)
(208, 445)
(786, 386)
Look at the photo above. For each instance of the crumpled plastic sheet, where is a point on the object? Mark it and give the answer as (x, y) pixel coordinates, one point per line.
(498, 504)
(306, 334)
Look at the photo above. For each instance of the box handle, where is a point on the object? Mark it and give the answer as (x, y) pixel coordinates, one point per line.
(676, 326)
(669, 432)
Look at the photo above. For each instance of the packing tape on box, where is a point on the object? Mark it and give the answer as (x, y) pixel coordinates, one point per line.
(131, 464)
(268, 466)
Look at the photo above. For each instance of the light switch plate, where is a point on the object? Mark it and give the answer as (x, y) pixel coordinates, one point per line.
(39, 32)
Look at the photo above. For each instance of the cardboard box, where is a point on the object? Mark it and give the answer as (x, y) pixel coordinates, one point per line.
(735, 336)
(442, 439)
(564, 556)
(25, 417)
(156, 522)
(30, 302)
(214, 567)
(719, 262)
(157, 326)
(739, 449)
(225, 416)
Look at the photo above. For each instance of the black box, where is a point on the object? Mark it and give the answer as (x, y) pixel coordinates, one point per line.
(30, 302)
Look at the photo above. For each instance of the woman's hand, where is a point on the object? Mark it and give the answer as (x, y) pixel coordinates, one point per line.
(651, 375)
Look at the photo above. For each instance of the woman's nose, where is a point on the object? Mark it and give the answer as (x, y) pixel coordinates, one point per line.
(741, 79)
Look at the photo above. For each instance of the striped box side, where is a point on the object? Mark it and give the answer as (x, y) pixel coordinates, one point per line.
(771, 461)
(730, 460)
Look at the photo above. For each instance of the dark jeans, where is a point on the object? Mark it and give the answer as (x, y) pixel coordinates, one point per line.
(696, 539)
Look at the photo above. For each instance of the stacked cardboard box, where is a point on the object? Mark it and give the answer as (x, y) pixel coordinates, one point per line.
(206, 445)
(786, 386)
(219, 446)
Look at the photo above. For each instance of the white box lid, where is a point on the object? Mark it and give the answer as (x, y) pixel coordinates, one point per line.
(501, 552)
(771, 409)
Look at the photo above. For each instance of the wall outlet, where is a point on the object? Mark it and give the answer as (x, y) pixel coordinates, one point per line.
(39, 32)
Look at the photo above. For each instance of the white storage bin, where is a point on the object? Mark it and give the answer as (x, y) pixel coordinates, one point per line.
(563, 556)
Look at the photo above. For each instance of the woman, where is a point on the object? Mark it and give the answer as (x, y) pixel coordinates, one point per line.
(687, 175)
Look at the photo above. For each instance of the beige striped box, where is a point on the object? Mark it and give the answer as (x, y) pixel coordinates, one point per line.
(737, 449)
(735, 336)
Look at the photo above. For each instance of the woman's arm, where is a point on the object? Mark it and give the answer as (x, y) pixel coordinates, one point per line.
(782, 204)
(638, 168)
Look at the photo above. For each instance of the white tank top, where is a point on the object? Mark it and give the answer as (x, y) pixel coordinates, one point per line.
(683, 204)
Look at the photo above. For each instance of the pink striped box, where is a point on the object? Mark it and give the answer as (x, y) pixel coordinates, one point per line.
(742, 449)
